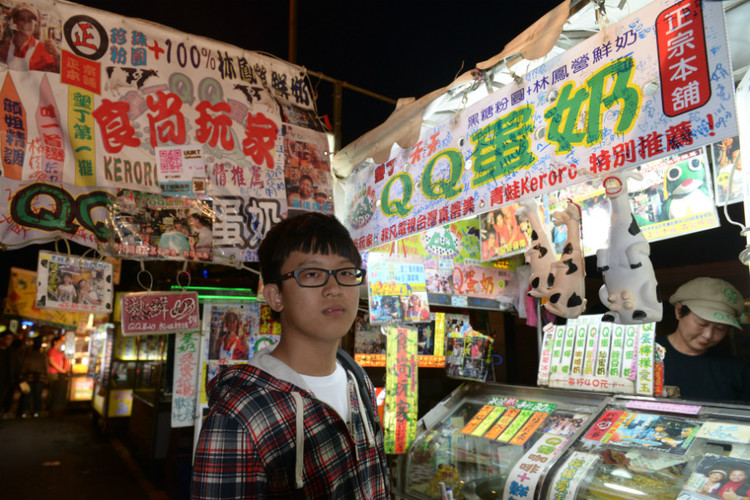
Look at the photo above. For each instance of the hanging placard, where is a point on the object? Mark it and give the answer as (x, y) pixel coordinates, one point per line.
(400, 416)
(184, 386)
(398, 293)
(72, 283)
(151, 313)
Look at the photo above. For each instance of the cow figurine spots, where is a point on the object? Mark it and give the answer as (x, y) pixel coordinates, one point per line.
(540, 254)
(567, 293)
(630, 290)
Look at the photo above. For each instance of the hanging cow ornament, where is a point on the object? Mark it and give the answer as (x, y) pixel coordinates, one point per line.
(540, 255)
(630, 290)
(567, 293)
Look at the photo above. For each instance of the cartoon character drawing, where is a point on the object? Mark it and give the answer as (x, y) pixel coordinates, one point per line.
(686, 189)
(567, 294)
(630, 290)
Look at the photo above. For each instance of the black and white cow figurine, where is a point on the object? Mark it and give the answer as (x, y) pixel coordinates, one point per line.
(567, 293)
(540, 254)
(630, 290)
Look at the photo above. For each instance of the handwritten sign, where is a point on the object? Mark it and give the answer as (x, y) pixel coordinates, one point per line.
(185, 378)
(151, 313)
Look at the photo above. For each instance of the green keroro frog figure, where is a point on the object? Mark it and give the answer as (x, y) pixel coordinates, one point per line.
(686, 190)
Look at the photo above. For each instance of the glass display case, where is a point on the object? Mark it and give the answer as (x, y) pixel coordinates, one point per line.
(658, 449)
(112, 365)
(483, 437)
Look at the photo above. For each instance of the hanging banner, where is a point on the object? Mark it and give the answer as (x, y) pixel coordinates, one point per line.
(185, 378)
(400, 415)
(656, 83)
(151, 313)
(105, 102)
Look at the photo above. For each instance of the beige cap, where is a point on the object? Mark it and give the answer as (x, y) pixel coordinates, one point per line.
(711, 299)
(24, 6)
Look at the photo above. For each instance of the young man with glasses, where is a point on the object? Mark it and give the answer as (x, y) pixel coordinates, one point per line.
(295, 422)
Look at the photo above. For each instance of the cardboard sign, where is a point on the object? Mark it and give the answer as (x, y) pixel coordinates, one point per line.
(151, 313)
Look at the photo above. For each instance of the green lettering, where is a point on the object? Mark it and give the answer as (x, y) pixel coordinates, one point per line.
(118, 170)
(127, 171)
(107, 171)
(440, 188)
(503, 146)
(27, 213)
(85, 205)
(397, 207)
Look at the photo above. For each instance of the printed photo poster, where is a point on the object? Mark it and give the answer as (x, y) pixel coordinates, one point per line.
(368, 339)
(21, 301)
(73, 283)
(717, 476)
(564, 423)
(503, 233)
(182, 171)
(151, 226)
(674, 197)
(726, 158)
(668, 434)
(234, 332)
(397, 289)
(307, 172)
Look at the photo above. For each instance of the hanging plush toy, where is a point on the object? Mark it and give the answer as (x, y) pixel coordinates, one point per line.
(686, 189)
(540, 254)
(630, 290)
(567, 295)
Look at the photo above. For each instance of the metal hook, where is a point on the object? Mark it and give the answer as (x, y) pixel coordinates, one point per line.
(185, 272)
(144, 272)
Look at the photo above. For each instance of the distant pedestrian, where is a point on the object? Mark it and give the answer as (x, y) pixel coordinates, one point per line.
(58, 376)
(8, 373)
(34, 373)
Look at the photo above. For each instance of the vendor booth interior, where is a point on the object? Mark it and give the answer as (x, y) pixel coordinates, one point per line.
(522, 230)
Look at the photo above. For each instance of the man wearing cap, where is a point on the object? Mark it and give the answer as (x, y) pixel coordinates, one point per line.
(706, 308)
(22, 51)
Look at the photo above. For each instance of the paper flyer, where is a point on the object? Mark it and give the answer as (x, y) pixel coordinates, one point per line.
(557, 348)
(615, 351)
(579, 350)
(568, 348)
(602, 349)
(629, 350)
(589, 363)
(545, 358)
(397, 289)
(668, 434)
(644, 361)
(570, 474)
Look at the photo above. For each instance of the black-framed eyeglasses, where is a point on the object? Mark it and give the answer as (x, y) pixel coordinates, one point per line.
(312, 277)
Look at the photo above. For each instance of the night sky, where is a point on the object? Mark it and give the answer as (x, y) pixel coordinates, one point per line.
(396, 49)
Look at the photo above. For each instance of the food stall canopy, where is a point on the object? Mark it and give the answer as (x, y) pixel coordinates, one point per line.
(562, 28)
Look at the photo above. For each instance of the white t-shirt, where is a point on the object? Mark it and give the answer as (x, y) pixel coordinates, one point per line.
(332, 389)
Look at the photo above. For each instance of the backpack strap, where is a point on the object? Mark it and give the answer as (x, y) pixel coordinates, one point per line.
(359, 374)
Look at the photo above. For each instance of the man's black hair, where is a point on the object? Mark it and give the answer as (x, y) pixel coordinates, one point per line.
(311, 232)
